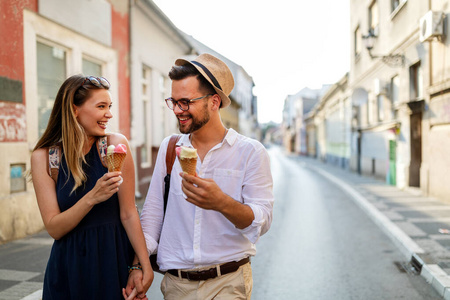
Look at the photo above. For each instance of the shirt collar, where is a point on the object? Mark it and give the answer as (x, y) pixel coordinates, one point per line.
(230, 138)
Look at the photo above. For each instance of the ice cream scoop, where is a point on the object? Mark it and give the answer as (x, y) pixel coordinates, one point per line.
(188, 159)
(110, 149)
(115, 157)
(120, 148)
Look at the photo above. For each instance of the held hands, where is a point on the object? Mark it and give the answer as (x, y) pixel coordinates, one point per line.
(202, 192)
(137, 285)
(106, 186)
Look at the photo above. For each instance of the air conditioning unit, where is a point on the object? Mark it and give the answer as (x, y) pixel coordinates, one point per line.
(431, 25)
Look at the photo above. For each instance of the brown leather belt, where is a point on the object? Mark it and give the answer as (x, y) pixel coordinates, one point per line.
(210, 273)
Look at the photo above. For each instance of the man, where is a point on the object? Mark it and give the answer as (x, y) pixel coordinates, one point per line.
(213, 220)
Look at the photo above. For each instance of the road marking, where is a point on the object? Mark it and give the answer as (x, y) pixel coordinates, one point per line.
(14, 275)
(36, 241)
(35, 296)
(20, 290)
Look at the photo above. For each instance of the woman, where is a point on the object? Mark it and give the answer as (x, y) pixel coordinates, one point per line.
(89, 212)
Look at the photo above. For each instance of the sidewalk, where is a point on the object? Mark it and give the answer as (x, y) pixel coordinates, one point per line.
(418, 225)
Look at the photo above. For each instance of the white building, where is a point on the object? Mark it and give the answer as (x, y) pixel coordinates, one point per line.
(155, 45)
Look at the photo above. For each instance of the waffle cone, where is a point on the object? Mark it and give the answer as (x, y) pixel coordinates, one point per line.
(115, 161)
(189, 165)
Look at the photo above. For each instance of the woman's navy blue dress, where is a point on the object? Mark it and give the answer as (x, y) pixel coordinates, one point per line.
(90, 262)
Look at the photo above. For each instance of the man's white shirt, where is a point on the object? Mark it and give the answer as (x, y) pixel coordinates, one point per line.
(192, 237)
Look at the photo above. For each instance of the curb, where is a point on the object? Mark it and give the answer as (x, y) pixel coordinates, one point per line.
(432, 273)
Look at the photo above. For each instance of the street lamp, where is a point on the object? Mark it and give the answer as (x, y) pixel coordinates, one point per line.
(393, 60)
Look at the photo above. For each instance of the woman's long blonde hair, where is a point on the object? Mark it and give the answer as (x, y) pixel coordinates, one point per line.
(64, 127)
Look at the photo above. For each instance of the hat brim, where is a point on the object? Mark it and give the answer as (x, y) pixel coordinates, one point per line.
(225, 99)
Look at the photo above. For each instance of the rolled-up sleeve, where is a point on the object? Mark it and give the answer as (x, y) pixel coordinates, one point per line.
(257, 193)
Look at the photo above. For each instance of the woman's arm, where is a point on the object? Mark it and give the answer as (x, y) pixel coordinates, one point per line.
(129, 214)
(60, 223)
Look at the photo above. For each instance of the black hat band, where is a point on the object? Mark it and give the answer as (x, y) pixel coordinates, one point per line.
(210, 75)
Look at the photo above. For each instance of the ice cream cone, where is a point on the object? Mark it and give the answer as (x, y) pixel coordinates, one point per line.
(189, 165)
(115, 161)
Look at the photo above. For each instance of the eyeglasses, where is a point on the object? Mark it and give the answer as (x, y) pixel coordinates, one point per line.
(100, 82)
(182, 104)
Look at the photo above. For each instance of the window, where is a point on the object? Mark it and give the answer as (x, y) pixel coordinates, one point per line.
(53, 53)
(146, 96)
(371, 106)
(162, 89)
(380, 108)
(397, 4)
(357, 38)
(416, 82)
(91, 68)
(395, 83)
(18, 182)
(51, 73)
(373, 18)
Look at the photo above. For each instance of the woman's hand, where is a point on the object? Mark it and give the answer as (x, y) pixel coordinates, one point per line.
(106, 186)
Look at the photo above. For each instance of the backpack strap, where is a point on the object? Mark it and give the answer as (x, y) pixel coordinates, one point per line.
(54, 159)
(170, 159)
(102, 148)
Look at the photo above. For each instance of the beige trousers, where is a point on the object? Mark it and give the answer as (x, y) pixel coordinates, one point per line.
(232, 286)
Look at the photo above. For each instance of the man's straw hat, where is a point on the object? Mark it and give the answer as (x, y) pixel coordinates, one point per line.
(216, 72)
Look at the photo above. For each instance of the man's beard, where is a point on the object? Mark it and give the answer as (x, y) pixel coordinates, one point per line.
(196, 123)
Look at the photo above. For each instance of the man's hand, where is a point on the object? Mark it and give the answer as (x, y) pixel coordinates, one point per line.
(134, 285)
(206, 194)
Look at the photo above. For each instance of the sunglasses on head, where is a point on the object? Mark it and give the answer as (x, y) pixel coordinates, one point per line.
(100, 82)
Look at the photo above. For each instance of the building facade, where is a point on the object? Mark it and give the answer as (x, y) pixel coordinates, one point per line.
(395, 97)
(397, 82)
(151, 59)
(388, 117)
(328, 126)
(44, 46)
(295, 112)
(131, 43)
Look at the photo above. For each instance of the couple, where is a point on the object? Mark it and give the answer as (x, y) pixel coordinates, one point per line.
(213, 220)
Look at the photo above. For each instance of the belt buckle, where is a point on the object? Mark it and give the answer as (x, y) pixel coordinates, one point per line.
(198, 275)
(187, 275)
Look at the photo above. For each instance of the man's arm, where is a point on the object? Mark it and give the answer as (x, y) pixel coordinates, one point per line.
(254, 215)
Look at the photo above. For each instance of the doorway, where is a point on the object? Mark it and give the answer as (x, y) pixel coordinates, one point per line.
(416, 149)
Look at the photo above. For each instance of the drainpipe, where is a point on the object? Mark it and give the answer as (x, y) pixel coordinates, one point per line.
(430, 52)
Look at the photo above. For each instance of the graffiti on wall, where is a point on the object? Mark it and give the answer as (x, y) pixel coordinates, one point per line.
(12, 122)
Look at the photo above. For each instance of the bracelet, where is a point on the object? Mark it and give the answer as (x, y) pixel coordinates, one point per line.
(134, 267)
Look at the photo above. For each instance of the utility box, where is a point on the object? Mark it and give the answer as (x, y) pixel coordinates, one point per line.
(431, 25)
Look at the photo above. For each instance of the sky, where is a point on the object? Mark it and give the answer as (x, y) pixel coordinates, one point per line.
(284, 45)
